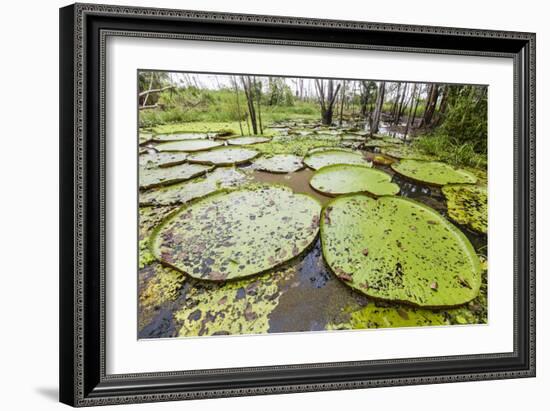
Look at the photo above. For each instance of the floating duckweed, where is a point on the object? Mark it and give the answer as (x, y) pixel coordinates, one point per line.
(238, 233)
(432, 172)
(467, 205)
(344, 179)
(400, 250)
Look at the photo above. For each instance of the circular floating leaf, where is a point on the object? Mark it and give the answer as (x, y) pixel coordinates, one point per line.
(400, 250)
(224, 156)
(279, 163)
(243, 141)
(467, 205)
(188, 145)
(432, 172)
(353, 137)
(404, 152)
(330, 148)
(378, 143)
(221, 177)
(145, 137)
(154, 177)
(330, 157)
(239, 233)
(155, 159)
(345, 179)
(180, 137)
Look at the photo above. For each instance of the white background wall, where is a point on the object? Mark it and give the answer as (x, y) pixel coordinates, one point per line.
(29, 203)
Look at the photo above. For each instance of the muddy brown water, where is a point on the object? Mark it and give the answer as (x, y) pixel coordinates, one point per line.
(313, 297)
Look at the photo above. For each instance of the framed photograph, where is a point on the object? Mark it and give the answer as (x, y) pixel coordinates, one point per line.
(261, 204)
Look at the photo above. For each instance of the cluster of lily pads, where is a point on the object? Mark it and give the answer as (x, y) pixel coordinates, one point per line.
(217, 228)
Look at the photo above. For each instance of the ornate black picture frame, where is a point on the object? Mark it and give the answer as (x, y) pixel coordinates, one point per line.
(83, 31)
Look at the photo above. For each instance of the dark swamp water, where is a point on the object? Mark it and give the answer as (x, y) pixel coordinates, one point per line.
(308, 297)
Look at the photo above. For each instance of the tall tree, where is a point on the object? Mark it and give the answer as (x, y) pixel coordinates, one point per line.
(258, 93)
(400, 108)
(431, 104)
(327, 95)
(410, 117)
(236, 87)
(378, 109)
(249, 92)
(342, 98)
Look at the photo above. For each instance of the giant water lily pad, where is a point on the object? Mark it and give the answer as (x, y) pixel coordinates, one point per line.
(243, 141)
(327, 158)
(344, 178)
(238, 233)
(223, 156)
(221, 177)
(279, 163)
(467, 205)
(404, 152)
(154, 159)
(188, 145)
(330, 148)
(154, 177)
(180, 137)
(397, 249)
(432, 172)
(233, 307)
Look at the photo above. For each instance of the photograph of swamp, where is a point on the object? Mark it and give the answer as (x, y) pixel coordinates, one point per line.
(272, 204)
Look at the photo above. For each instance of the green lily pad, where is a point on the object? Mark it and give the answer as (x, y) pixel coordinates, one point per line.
(330, 148)
(221, 177)
(279, 163)
(238, 233)
(233, 307)
(154, 159)
(180, 137)
(344, 179)
(467, 205)
(404, 152)
(327, 158)
(188, 145)
(433, 172)
(353, 137)
(145, 137)
(155, 177)
(378, 143)
(223, 156)
(400, 250)
(373, 316)
(243, 141)
(382, 160)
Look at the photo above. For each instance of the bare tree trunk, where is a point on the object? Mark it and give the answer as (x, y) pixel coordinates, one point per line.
(378, 110)
(238, 104)
(410, 118)
(400, 107)
(326, 101)
(258, 93)
(442, 106)
(250, 101)
(396, 102)
(342, 97)
(431, 104)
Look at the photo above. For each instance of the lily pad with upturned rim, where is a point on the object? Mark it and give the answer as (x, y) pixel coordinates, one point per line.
(239, 233)
(155, 177)
(188, 145)
(154, 159)
(224, 156)
(279, 163)
(405, 152)
(345, 179)
(331, 157)
(433, 172)
(248, 140)
(396, 249)
(180, 137)
(467, 205)
(219, 178)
